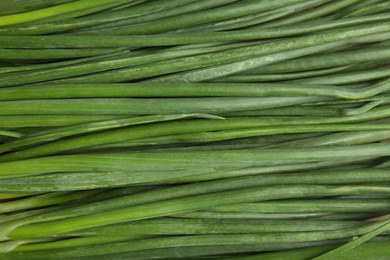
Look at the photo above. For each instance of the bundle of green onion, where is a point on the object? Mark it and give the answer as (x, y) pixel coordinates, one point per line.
(194, 129)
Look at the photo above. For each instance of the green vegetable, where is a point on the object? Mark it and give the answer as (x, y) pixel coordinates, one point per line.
(194, 129)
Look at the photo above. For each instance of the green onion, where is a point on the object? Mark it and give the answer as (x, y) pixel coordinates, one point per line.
(194, 129)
